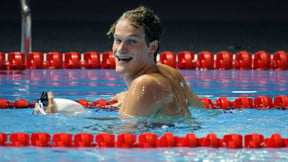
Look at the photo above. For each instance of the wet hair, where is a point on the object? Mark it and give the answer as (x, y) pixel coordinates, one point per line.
(146, 18)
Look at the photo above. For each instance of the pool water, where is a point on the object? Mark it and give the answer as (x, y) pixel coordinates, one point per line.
(94, 84)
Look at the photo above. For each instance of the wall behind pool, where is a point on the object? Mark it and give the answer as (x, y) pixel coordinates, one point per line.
(205, 10)
(188, 25)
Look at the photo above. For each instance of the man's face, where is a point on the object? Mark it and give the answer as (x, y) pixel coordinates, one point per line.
(130, 49)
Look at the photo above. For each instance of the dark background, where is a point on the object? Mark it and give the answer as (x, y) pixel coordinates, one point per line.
(81, 25)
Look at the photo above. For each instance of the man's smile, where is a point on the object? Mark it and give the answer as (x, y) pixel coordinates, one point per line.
(124, 59)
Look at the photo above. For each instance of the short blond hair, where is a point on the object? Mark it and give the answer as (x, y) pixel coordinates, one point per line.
(145, 18)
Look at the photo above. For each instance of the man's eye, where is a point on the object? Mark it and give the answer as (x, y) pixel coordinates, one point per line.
(132, 42)
(117, 40)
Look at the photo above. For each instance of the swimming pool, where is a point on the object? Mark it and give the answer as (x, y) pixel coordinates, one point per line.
(98, 84)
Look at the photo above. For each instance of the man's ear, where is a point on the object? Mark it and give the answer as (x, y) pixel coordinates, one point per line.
(153, 46)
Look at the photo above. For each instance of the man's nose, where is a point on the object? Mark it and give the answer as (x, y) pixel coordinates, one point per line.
(122, 46)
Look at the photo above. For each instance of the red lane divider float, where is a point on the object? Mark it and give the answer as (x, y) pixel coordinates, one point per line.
(260, 102)
(279, 60)
(108, 61)
(243, 60)
(54, 60)
(185, 60)
(72, 60)
(91, 60)
(16, 60)
(35, 60)
(145, 140)
(224, 60)
(168, 58)
(262, 60)
(2, 60)
(203, 60)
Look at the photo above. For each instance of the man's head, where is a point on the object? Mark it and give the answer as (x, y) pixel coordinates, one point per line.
(144, 18)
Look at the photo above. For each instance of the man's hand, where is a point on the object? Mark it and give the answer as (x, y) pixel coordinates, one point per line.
(118, 98)
(51, 108)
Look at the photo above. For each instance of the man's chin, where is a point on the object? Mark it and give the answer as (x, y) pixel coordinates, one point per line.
(120, 70)
(124, 69)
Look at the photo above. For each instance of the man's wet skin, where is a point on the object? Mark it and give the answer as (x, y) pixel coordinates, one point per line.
(152, 88)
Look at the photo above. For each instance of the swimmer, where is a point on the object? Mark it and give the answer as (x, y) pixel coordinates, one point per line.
(154, 89)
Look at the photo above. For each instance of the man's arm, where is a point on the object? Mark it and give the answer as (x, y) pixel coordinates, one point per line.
(193, 99)
(118, 98)
(145, 97)
(51, 108)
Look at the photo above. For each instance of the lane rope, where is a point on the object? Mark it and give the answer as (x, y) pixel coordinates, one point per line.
(260, 102)
(145, 140)
(204, 60)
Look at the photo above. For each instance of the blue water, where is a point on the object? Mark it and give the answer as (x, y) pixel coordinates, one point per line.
(93, 85)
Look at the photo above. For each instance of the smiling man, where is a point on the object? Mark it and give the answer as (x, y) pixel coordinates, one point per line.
(153, 89)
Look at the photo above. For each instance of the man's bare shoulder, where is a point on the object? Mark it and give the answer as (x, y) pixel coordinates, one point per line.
(146, 95)
(166, 67)
(170, 73)
(154, 80)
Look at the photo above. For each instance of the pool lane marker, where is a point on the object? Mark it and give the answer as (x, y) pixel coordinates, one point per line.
(260, 102)
(145, 140)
